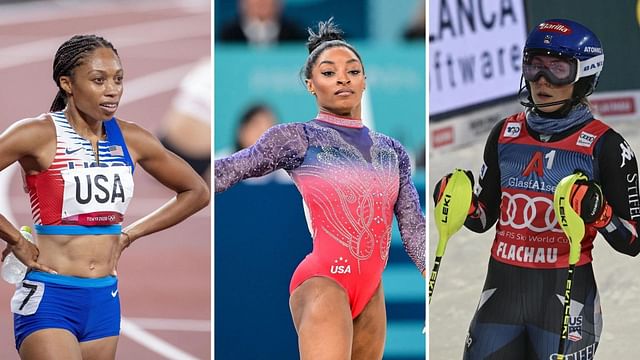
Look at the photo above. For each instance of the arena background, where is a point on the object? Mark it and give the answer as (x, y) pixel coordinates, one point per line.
(164, 278)
(457, 137)
(260, 231)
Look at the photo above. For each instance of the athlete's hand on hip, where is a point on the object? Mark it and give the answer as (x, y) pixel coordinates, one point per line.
(438, 191)
(588, 201)
(28, 254)
(123, 242)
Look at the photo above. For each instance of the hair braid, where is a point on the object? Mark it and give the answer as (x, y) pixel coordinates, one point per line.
(70, 55)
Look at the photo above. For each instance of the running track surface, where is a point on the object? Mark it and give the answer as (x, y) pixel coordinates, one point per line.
(164, 278)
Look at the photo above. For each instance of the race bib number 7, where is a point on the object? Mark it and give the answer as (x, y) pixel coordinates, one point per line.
(96, 190)
(26, 299)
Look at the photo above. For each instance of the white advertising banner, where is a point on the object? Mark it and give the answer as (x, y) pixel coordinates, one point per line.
(475, 51)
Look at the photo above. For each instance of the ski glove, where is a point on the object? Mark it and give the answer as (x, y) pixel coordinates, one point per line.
(587, 200)
(438, 191)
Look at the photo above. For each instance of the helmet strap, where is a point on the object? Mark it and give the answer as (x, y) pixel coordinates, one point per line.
(524, 95)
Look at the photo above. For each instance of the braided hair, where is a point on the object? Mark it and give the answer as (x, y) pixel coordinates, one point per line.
(70, 55)
(329, 35)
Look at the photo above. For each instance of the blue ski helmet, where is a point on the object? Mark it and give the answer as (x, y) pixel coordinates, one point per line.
(571, 41)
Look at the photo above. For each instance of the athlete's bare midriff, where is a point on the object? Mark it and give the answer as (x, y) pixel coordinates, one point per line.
(88, 256)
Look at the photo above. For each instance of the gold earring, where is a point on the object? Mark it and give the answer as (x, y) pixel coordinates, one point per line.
(313, 93)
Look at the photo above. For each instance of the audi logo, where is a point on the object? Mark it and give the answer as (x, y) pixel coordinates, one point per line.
(520, 211)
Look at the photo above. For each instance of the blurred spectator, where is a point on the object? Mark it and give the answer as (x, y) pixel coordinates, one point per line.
(416, 29)
(260, 22)
(186, 128)
(255, 120)
(253, 123)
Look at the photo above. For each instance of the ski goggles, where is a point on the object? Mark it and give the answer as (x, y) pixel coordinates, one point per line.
(559, 70)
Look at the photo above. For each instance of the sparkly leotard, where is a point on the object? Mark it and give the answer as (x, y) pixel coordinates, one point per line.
(352, 181)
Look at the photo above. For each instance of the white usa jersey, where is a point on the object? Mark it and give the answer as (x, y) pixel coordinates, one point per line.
(81, 187)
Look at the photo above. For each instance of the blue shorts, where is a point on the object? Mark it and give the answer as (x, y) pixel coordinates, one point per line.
(88, 308)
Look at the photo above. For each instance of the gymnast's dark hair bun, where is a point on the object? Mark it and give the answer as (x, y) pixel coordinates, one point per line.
(328, 36)
(327, 31)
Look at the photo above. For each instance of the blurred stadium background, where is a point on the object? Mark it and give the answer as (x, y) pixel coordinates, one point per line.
(475, 52)
(260, 231)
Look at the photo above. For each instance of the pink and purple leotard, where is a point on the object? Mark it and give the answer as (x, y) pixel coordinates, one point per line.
(352, 182)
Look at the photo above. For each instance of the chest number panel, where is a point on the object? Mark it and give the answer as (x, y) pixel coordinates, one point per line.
(96, 189)
(536, 164)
